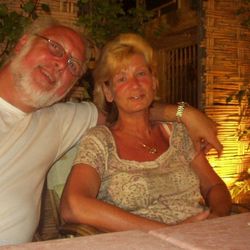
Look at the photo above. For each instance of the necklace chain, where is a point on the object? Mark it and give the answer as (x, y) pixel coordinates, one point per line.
(151, 150)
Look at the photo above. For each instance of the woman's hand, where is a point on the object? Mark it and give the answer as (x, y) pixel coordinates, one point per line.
(198, 217)
(213, 215)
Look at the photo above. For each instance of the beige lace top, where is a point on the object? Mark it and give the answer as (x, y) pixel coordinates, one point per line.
(166, 189)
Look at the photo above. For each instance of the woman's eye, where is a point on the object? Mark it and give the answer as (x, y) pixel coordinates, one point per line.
(142, 73)
(121, 79)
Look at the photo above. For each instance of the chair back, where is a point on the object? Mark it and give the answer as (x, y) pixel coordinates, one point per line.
(52, 226)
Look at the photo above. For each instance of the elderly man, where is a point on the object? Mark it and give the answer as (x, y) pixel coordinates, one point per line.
(46, 62)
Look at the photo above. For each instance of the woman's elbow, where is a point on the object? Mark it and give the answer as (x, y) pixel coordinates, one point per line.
(69, 209)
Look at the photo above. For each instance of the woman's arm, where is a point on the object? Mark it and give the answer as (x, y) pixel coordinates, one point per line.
(201, 129)
(79, 205)
(213, 189)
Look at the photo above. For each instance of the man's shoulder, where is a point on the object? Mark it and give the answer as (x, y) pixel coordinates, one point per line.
(73, 105)
(76, 116)
(69, 107)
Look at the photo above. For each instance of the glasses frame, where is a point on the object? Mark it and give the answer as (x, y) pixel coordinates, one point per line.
(55, 46)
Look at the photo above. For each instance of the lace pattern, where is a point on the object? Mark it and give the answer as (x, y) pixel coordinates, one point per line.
(165, 190)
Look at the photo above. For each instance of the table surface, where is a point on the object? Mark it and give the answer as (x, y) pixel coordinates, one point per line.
(232, 232)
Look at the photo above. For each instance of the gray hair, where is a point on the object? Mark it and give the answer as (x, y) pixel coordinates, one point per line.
(43, 23)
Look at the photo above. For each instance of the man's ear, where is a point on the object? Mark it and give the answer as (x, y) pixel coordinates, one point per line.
(107, 92)
(21, 42)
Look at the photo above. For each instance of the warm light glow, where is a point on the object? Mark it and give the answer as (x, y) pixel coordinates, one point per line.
(216, 163)
(233, 168)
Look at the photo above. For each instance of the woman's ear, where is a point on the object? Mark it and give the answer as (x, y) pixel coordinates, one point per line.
(21, 42)
(107, 92)
(155, 83)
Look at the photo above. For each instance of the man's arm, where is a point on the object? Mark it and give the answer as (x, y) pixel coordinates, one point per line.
(213, 189)
(201, 128)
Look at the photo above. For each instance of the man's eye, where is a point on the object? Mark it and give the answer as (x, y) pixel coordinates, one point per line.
(56, 49)
(72, 65)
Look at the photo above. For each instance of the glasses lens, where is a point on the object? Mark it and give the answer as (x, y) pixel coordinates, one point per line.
(56, 49)
(74, 67)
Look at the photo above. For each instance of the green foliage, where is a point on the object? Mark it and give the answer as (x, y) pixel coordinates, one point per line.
(194, 4)
(45, 8)
(244, 11)
(106, 19)
(243, 98)
(243, 95)
(241, 186)
(12, 24)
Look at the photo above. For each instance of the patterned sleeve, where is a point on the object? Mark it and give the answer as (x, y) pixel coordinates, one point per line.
(93, 150)
(182, 142)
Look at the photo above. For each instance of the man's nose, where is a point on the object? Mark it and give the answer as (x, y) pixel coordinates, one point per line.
(61, 63)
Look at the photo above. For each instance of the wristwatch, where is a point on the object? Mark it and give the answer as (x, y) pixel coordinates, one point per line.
(180, 109)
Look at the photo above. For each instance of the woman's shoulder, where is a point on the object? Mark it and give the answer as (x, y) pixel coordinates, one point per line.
(179, 129)
(167, 127)
(100, 131)
(99, 128)
(172, 128)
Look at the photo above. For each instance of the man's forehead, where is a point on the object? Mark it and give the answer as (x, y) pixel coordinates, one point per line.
(62, 32)
(67, 37)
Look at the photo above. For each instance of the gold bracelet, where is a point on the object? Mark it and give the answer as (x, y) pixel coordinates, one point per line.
(180, 110)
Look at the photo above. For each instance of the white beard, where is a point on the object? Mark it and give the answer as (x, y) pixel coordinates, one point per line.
(29, 94)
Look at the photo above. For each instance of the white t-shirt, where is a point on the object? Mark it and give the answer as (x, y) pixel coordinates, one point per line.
(29, 145)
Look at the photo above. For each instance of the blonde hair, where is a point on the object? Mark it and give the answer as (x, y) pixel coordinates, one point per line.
(115, 55)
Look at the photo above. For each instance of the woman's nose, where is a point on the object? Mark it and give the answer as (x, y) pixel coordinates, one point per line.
(134, 82)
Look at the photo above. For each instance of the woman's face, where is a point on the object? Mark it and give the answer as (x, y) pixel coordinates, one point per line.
(133, 87)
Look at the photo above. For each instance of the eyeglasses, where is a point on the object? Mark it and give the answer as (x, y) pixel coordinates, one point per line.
(76, 68)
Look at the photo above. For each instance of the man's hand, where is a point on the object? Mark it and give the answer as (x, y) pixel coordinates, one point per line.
(201, 129)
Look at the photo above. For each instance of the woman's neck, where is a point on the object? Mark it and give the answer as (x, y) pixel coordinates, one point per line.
(140, 126)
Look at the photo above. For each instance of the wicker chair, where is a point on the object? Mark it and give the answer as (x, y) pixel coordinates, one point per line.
(51, 224)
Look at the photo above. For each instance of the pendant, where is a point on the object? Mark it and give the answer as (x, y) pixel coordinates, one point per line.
(151, 150)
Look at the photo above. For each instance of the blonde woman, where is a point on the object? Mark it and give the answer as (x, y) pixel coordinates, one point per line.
(134, 173)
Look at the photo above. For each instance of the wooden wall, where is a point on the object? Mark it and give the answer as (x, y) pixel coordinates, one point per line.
(177, 54)
(222, 59)
(62, 10)
(226, 68)
(178, 74)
